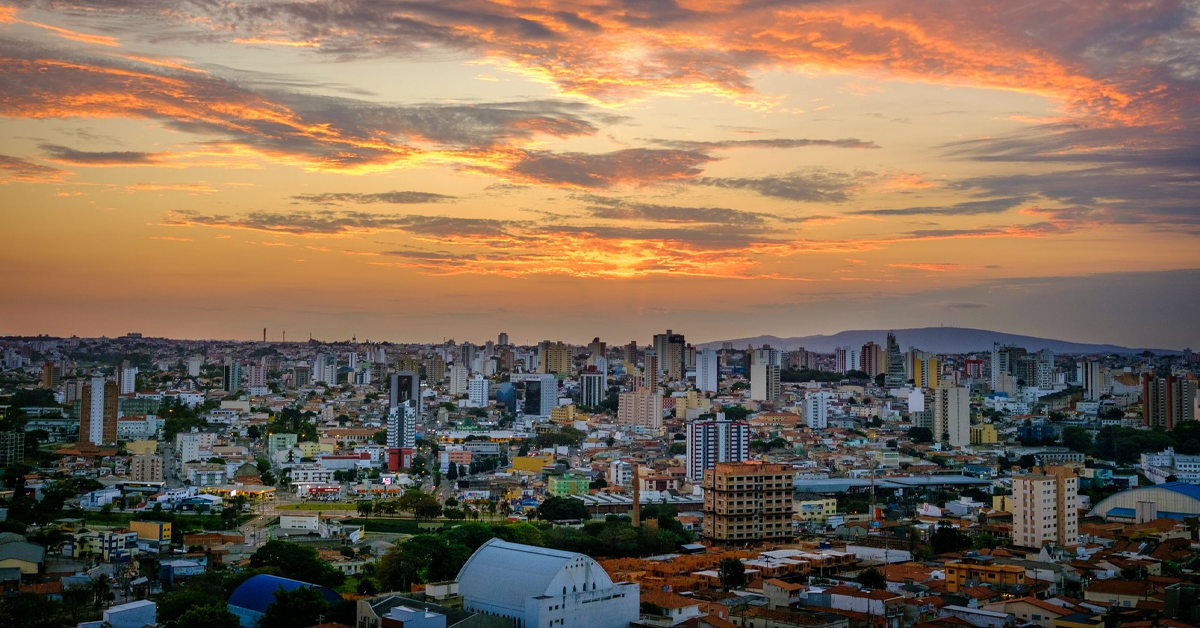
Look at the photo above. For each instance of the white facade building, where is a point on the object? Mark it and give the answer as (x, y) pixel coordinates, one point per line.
(707, 371)
(713, 441)
(545, 588)
(477, 391)
(816, 410)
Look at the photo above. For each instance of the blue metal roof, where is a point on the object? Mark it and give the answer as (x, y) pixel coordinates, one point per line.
(1183, 488)
(258, 593)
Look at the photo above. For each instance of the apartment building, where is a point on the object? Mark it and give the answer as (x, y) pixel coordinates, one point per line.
(1045, 507)
(746, 502)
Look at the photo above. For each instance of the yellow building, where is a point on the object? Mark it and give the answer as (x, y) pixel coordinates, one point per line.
(819, 510)
(984, 434)
(972, 571)
(555, 357)
(309, 449)
(1003, 503)
(692, 401)
(141, 447)
(531, 464)
(564, 414)
(152, 530)
(925, 372)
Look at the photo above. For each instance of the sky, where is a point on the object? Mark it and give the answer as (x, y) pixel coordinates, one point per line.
(410, 171)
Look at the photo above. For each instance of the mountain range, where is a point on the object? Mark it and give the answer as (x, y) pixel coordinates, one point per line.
(933, 339)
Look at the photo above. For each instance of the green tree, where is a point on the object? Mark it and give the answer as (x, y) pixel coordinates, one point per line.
(732, 573)
(920, 434)
(213, 615)
(871, 578)
(563, 509)
(302, 606)
(300, 562)
(1077, 439)
(735, 413)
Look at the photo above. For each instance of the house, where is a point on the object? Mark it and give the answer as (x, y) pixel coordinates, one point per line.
(672, 608)
(1030, 610)
(1125, 593)
(16, 552)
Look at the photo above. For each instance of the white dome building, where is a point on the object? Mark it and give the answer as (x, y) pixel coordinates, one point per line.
(545, 588)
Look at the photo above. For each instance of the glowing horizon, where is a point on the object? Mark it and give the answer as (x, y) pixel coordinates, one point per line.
(409, 171)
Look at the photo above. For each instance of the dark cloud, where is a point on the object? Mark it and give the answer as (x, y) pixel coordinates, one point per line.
(603, 170)
(30, 172)
(968, 208)
(811, 186)
(765, 143)
(619, 209)
(391, 198)
(59, 153)
(964, 306)
(324, 222)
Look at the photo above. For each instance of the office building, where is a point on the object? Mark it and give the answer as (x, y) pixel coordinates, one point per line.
(845, 359)
(458, 380)
(555, 357)
(477, 391)
(894, 367)
(952, 414)
(816, 410)
(710, 441)
(747, 503)
(541, 396)
(641, 409)
(764, 382)
(593, 388)
(146, 468)
(1167, 400)
(870, 359)
(707, 371)
(98, 412)
(543, 588)
(1045, 508)
(670, 348)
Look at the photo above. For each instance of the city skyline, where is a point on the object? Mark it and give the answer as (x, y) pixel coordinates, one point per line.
(410, 171)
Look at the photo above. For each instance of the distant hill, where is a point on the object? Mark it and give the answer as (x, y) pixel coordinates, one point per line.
(934, 339)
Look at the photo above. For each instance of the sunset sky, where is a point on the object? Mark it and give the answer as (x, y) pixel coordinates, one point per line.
(409, 171)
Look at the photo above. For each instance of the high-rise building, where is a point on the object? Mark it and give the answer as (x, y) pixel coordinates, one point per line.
(846, 359)
(707, 370)
(764, 382)
(477, 391)
(502, 339)
(870, 359)
(1004, 362)
(146, 468)
(710, 441)
(894, 368)
(301, 375)
(593, 388)
(405, 386)
(670, 350)
(952, 414)
(747, 503)
(1167, 401)
(12, 448)
(126, 378)
(816, 409)
(973, 368)
(458, 379)
(541, 396)
(51, 374)
(642, 408)
(597, 347)
(631, 352)
(651, 370)
(401, 430)
(435, 369)
(98, 412)
(1045, 508)
(194, 364)
(326, 369)
(257, 377)
(232, 374)
(555, 357)
(925, 371)
(1093, 380)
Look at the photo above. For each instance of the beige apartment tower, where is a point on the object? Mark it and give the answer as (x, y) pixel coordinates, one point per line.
(747, 503)
(1046, 508)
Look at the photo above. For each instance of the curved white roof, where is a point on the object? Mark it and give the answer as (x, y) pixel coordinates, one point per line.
(505, 574)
